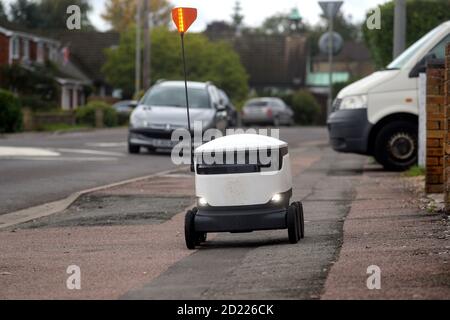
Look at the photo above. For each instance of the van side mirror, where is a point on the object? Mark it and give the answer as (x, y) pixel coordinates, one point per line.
(421, 66)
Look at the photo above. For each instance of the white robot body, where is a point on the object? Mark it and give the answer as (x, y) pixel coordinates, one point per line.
(243, 189)
(243, 184)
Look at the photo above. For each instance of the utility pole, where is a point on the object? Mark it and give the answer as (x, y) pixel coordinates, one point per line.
(330, 10)
(137, 86)
(399, 27)
(330, 63)
(147, 46)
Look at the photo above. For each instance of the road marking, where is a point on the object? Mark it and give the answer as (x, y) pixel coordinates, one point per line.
(92, 152)
(74, 159)
(107, 144)
(27, 152)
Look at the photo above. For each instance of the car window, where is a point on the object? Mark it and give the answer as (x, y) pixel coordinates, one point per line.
(439, 50)
(406, 56)
(168, 96)
(214, 94)
(257, 104)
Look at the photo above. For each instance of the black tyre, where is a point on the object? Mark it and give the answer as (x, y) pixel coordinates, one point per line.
(301, 219)
(190, 235)
(293, 225)
(396, 146)
(133, 149)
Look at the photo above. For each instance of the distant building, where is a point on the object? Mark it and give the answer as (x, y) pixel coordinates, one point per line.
(87, 51)
(353, 62)
(20, 46)
(273, 62)
(284, 62)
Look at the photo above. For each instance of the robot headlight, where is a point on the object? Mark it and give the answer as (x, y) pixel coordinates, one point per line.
(277, 198)
(202, 202)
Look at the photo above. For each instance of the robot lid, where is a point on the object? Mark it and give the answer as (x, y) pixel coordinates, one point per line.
(241, 142)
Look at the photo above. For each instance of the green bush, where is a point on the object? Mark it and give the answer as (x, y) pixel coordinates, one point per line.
(10, 113)
(306, 108)
(36, 103)
(86, 115)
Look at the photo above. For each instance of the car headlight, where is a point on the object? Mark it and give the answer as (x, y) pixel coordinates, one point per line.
(137, 120)
(354, 102)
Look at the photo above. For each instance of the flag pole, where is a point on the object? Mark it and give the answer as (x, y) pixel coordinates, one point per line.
(187, 103)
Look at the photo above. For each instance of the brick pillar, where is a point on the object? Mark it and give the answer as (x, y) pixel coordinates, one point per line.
(447, 127)
(436, 130)
(28, 119)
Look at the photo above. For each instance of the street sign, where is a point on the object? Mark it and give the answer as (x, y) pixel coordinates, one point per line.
(184, 18)
(336, 44)
(330, 8)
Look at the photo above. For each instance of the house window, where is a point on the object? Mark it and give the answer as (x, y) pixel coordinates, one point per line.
(15, 52)
(53, 53)
(26, 49)
(40, 53)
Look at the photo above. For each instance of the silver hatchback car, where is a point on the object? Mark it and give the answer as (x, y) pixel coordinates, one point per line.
(163, 110)
(272, 111)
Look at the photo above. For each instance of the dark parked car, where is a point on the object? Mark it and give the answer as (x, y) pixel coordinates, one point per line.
(232, 113)
(125, 107)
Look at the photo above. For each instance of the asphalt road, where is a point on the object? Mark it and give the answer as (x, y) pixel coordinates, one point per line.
(61, 164)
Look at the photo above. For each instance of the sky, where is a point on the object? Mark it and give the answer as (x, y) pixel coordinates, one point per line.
(254, 11)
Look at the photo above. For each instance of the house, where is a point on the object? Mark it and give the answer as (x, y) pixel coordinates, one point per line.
(87, 52)
(21, 46)
(352, 62)
(273, 62)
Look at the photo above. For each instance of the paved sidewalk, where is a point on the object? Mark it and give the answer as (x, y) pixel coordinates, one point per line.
(386, 228)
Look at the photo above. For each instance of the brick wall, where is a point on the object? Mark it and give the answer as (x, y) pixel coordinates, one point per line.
(436, 128)
(447, 127)
(4, 49)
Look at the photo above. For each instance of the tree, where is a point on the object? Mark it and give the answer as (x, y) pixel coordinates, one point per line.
(121, 14)
(3, 15)
(25, 13)
(237, 17)
(47, 14)
(422, 16)
(206, 61)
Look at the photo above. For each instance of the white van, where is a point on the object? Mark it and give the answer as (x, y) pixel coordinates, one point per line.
(378, 115)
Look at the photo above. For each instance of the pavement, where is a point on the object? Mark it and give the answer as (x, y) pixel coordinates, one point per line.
(128, 241)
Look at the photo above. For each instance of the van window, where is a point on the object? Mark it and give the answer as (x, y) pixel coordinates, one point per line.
(439, 50)
(411, 51)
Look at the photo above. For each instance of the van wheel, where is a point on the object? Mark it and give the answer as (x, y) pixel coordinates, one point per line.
(133, 149)
(191, 237)
(293, 224)
(396, 146)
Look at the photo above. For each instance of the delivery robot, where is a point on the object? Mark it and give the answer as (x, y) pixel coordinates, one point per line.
(243, 184)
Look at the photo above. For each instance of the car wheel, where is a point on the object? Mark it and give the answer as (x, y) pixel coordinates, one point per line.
(133, 149)
(396, 146)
